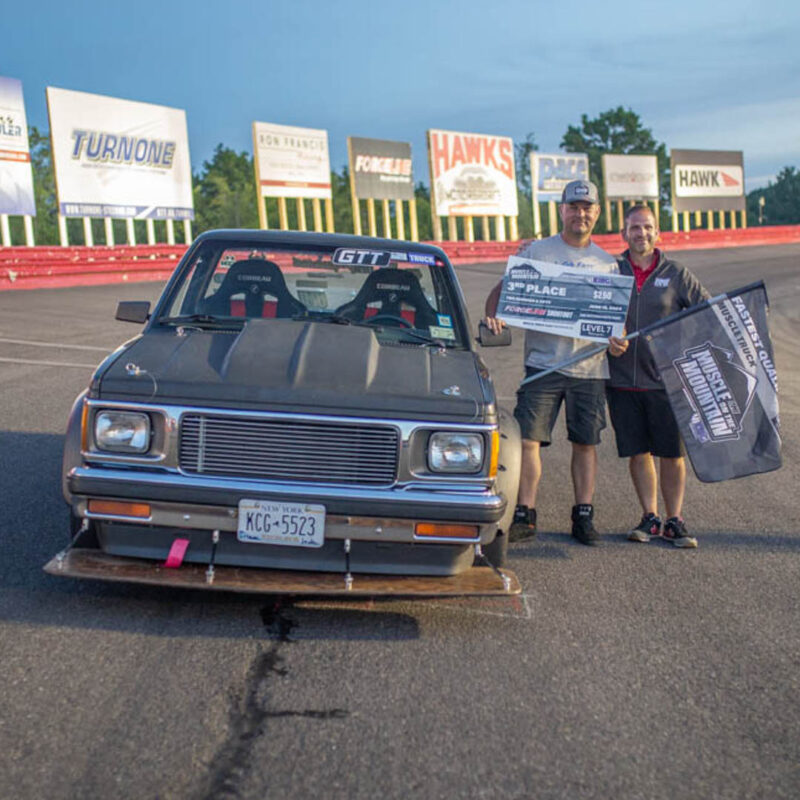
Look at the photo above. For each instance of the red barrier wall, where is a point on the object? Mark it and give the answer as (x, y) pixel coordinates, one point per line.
(55, 267)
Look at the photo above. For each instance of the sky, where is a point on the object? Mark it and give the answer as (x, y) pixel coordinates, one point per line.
(700, 74)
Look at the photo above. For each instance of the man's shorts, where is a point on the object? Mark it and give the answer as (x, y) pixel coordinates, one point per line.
(539, 402)
(644, 423)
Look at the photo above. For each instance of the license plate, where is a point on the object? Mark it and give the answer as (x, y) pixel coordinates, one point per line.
(294, 524)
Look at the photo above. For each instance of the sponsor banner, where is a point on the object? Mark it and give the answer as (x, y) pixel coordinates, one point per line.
(551, 172)
(381, 169)
(291, 162)
(707, 180)
(472, 174)
(119, 158)
(565, 301)
(718, 367)
(630, 177)
(16, 175)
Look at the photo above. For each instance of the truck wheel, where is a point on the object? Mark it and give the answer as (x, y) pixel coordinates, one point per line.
(496, 552)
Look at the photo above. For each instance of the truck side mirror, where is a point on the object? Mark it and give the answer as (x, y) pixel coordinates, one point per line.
(488, 339)
(133, 311)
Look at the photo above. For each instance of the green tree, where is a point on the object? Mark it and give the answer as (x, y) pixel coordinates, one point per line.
(781, 200)
(45, 223)
(619, 131)
(522, 153)
(225, 192)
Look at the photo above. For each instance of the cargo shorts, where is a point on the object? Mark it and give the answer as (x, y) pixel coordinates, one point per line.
(539, 402)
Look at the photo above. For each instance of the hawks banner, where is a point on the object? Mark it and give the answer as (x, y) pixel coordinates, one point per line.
(472, 174)
(717, 364)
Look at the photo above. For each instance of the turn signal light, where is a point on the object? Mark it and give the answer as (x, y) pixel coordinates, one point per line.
(451, 531)
(117, 508)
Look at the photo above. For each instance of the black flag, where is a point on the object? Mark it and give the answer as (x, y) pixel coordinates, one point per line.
(717, 364)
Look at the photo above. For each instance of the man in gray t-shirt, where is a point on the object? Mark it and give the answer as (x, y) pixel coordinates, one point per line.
(581, 386)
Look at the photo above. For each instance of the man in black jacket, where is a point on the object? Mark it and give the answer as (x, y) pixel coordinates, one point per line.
(643, 421)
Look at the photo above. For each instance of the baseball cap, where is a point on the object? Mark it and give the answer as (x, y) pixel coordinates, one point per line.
(580, 192)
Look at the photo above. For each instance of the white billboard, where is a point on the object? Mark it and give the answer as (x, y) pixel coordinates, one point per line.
(291, 162)
(119, 158)
(16, 176)
(708, 180)
(472, 174)
(551, 172)
(630, 177)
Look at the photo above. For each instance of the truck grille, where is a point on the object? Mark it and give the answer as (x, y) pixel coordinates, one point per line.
(285, 450)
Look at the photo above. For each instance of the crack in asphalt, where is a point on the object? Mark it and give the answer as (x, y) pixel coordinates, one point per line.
(249, 711)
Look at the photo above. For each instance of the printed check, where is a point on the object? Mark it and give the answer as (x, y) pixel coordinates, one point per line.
(565, 301)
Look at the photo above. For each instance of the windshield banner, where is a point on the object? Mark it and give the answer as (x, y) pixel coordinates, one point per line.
(564, 301)
(718, 367)
(472, 174)
(291, 162)
(16, 176)
(119, 158)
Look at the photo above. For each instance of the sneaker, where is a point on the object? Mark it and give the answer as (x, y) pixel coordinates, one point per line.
(582, 525)
(675, 532)
(649, 526)
(523, 525)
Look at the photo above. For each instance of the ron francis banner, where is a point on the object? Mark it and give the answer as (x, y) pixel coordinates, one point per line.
(119, 158)
(565, 301)
(472, 174)
(551, 172)
(707, 180)
(630, 177)
(381, 169)
(717, 364)
(16, 176)
(291, 162)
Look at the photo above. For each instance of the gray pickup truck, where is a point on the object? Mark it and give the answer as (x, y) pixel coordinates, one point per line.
(301, 413)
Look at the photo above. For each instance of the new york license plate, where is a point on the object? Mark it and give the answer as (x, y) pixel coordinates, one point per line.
(294, 524)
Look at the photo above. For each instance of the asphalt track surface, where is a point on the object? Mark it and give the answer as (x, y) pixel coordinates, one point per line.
(624, 671)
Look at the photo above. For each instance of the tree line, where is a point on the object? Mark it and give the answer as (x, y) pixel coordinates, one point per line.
(225, 189)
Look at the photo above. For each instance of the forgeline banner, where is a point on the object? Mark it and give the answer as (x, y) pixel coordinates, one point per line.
(551, 172)
(381, 169)
(472, 174)
(707, 180)
(119, 158)
(718, 368)
(291, 162)
(16, 176)
(630, 177)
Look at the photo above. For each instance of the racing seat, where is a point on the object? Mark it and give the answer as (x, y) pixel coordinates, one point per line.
(257, 279)
(391, 291)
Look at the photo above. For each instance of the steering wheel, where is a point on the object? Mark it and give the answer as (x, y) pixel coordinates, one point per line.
(401, 322)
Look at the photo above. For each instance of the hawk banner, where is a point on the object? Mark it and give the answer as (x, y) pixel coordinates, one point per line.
(717, 364)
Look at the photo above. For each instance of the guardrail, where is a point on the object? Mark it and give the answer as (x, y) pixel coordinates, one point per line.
(57, 267)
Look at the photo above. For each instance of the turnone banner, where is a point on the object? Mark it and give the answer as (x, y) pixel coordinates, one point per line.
(291, 162)
(119, 158)
(717, 364)
(381, 169)
(707, 180)
(551, 172)
(630, 177)
(16, 175)
(472, 174)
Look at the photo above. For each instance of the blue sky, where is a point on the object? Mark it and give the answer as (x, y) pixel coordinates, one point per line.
(706, 75)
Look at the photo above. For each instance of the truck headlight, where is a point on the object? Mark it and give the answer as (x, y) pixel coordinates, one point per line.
(122, 431)
(455, 452)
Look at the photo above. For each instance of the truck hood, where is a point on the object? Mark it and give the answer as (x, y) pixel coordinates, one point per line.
(301, 367)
